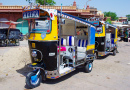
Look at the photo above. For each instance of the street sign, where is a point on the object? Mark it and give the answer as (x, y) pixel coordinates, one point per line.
(31, 14)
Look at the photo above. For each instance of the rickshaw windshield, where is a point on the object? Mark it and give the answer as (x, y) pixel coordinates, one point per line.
(42, 25)
(99, 30)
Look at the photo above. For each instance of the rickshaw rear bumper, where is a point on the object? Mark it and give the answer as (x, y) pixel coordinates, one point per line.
(101, 53)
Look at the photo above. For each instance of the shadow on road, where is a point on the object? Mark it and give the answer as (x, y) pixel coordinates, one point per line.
(25, 70)
(103, 57)
(55, 81)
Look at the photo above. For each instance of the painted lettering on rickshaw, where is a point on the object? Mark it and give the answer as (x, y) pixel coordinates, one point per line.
(31, 14)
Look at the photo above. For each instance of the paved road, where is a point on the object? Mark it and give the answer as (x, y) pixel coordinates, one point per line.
(5, 49)
(109, 73)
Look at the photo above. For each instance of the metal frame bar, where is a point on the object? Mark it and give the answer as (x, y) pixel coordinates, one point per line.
(59, 39)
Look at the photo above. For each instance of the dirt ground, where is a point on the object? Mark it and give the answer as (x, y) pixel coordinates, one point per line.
(109, 72)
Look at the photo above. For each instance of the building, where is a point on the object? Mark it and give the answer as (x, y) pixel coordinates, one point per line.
(123, 20)
(14, 13)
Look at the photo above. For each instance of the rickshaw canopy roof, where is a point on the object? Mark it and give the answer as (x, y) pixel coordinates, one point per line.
(77, 19)
(111, 25)
(53, 12)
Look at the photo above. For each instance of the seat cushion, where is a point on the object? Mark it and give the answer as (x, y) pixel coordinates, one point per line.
(62, 48)
(81, 49)
(82, 43)
(70, 41)
(63, 42)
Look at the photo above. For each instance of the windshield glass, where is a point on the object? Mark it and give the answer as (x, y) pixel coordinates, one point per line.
(99, 30)
(42, 25)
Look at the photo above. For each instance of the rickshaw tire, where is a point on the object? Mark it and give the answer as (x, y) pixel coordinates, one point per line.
(114, 52)
(87, 68)
(96, 55)
(4, 45)
(17, 43)
(28, 80)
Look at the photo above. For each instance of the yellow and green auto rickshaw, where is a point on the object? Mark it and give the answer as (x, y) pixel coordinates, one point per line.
(105, 38)
(58, 43)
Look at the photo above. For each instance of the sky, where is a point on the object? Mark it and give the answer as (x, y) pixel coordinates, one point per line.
(120, 7)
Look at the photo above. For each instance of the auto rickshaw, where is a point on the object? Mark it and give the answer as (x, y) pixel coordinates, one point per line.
(105, 38)
(126, 34)
(9, 36)
(58, 43)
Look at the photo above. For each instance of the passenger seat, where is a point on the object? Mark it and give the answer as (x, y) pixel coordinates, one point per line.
(82, 44)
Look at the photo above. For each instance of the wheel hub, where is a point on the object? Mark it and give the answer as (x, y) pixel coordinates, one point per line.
(34, 79)
(90, 66)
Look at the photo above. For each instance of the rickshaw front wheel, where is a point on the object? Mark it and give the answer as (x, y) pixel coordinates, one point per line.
(88, 67)
(32, 80)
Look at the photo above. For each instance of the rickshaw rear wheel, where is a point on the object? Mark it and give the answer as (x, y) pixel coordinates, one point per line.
(88, 67)
(114, 52)
(3, 43)
(96, 55)
(33, 83)
(17, 43)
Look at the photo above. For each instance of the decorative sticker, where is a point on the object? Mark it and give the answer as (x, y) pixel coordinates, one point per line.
(33, 45)
(43, 35)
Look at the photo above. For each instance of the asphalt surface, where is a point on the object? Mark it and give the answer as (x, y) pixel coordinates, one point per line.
(5, 49)
(109, 73)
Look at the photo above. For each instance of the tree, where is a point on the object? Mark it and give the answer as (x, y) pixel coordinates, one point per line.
(128, 16)
(44, 2)
(111, 14)
(109, 21)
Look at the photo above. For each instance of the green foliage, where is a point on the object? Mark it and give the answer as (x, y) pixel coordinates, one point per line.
(47, 2)
(128, 16)
(111, 14)
(109, 21)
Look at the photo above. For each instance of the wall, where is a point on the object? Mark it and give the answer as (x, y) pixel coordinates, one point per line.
(11, 16)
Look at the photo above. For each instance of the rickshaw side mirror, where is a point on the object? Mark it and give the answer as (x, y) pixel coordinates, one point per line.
(62, 21)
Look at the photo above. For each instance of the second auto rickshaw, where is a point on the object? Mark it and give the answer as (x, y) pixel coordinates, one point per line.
(105, 38)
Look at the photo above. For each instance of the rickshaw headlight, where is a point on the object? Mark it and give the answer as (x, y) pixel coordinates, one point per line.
(34, 53)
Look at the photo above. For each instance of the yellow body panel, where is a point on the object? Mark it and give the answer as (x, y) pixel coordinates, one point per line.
(116, 37)
(51, 36)
(34, 64)
(90, 47)
(115, 40)
(33, 45)
(101, 34)
(116, 33)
